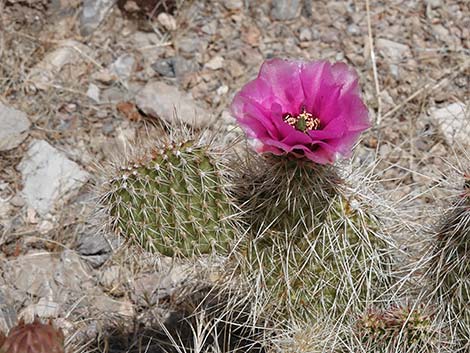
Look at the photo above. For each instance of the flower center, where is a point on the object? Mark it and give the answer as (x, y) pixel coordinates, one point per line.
(303, 122)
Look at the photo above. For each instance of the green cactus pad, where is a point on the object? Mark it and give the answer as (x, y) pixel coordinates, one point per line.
(173, 200)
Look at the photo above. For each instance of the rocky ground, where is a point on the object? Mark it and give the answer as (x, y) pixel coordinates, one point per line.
(79, 79)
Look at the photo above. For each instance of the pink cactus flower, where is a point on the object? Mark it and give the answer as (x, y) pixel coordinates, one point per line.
(308, 110)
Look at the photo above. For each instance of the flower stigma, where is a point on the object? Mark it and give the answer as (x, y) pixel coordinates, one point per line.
(303, 122)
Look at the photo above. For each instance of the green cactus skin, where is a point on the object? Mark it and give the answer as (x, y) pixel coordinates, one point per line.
(400, 328)
(281, 194)
(449, 269)
(321, 255)
(173, 200)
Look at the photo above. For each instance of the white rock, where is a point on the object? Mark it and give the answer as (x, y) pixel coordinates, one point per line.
(48, 177)
(454, 121)
(393, 51)
(170, 104)
(14, 126)
(68, 52)
(216, 63)
(222, 90)
(167, 21)
(93, 92)
(233, 4)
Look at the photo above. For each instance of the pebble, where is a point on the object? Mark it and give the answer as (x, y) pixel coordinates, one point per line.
(93, 13)
(285, 9)
(170, 104)
(216, 63)
(48, 177)
(305, 34)
(14, 127)
(93, 92)
(393, 51)
(233, 4)
(176, 66)
(95, 248)
(167, 21)
(123, 67)
(454, 123)
(67, 52)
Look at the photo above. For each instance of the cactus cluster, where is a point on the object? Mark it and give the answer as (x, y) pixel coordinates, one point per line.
(35, 337)
(173, 199)
(308, 244)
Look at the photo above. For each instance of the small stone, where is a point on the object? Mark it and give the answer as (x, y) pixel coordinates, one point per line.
(285, 9)
(174, 66)
(250, 35)
(14, 127)
(354, 29)
(123, 67)
(17, 201)
(434, 3)
(454, 122)
(93, 92)
(164, 67)
(233, 4)
(67, 52)
(393, 51)
(167, 21)
(235, 68)
(305, 34)
(49, 178)
(190, 44)
(216, 63)
(222, 90)
(210, 28)
(170, 104)
(94, 247)
(94, 12)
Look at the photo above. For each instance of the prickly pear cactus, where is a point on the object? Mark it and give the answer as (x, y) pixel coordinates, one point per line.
(173, 199)
(323, 253)
(34, 338)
